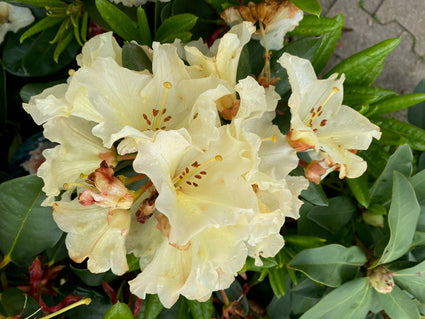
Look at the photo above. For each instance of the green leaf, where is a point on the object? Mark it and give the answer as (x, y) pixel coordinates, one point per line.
(330, 265)
(360, 189)
(41, 25)
(221, 5)
(418, 239)
(311, 25)
(32, 89)
(201, 310)
(143, 24)
(15, 302)
(302, 242)
(315, 195)
(395, 103)
(418, 183)
(3, 95)
(34, 56)
(175, 26)
(416, 114)
(134, 58)
(335, 216)
(152, 307)
(119, 311)
(44, 3)
(413, 280)
(120, 23)
(401, 161)
(364, 67)
(310, 6)
(358, 96)
(402, 219)
(398, 305)
(277, 280)
(352, 300)
(91, 279)
(414, 136)
(305, 48)
(376, 157)
(27, 228)
(63, 44)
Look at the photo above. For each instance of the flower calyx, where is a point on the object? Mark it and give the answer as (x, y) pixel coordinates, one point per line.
(381, 279)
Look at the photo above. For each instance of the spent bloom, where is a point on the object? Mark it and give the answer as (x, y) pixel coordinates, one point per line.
(320, 124)
(274, 17)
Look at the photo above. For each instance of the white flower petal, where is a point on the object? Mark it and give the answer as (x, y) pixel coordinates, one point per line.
(102, 45)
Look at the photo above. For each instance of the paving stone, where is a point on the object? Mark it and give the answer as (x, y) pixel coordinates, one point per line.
(403, 68)
(326, 5)
(370, 5)
(410, 14)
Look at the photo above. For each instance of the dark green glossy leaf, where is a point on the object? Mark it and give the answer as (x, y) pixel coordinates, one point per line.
(3, 94)
(339, 212)
(15, 302)
(360, 189)
(134, 58)
(401, 161)
(398, 304)
(303, 242)
(414, 135)
(120, 23)
(99, 305)
(413, 280)
(352, 300)
(310, 6)
(63, 44)
(418, 239)
(364, 67)
(175, 26)
(44, 3)
(118, 311)
(315, 195)
(396, 103)
(305, 48)
(201, 310)
(221, 5)
(329, 265)
(31, 89)
(152, 307)
(376, 157)
(358, 96)
(34, 56)
(416, 114)
(27, 228)
(143, 24)
(402, 219)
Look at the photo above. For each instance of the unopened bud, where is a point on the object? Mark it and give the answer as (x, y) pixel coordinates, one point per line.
(381, 279)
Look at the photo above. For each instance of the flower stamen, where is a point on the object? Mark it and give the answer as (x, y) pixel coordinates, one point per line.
(272, 138)
(315, 113)
(158, 113)
(196, 168)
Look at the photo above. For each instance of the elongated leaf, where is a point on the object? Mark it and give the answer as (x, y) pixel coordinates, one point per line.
(45, 3)
(315, 195)
(144, 30)
(395, 103)
(416, 114)
(27, 228)
(63, 44)
(364, 67)
(310, 6)
(418, 183)
(15, 302)
(201, 310)
(402, 219)
(41, 25)
(413, 280)
(414, 136)
(357, 96)
(401, 161)
(175, 26)
(330, 265)
(221, 5)
(91, 279)
(351, 300)
(119, 311)
(398, 305)
(118, 21)
(360, 189)
(418, 239)
(277, 279)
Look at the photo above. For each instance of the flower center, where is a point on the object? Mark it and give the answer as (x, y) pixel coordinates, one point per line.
(196, 170)
(156, 121)
(317, 112)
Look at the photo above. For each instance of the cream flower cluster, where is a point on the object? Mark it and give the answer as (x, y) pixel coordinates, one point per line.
(180, 165)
